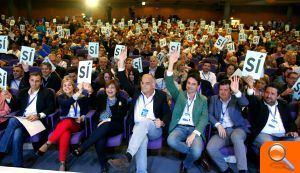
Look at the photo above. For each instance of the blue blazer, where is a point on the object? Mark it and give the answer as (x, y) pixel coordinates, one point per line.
(65, 102)
(234, 110)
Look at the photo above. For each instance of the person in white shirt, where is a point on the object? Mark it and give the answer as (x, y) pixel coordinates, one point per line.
(269, 117)
(148, 114)
(14, 50)
(206, 74)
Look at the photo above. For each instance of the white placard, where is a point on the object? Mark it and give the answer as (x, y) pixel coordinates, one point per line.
(204, 38)
(85, 71)
(12, 22)
(168, 25)
(22, 28)
(3, 79)
(160, 57)
(68, 32)
(114, 21)
(296, 89)
(145, 25)
(138, 64)
(226, 26)
(220, 43)
(1, 27)
(228, 37)
(93, 49)
(268, 35)
(287, 28)
(241, 26)
(27, 55)
(229, 31)
(121, 25)
(59, 28)
(3, 43)
(251, 28)
(212, 23)
(159, 23)
(50, 62)
(66, 18)
(297, 33)
(129, 23)
(202, 24)
(254, 32)
(230, 47)
(118, 50)
(61, 34)
(175, 46)
(190, 38)
(237, 72)
(254, 64)
(162, 42)
(47, 24)
(182, 27)
(138, 30)
(2, 16)
(154, 29)
(210, 30)
(256, 40)
(273, 31)
(261, 28)
(54, 20)
(242, 37)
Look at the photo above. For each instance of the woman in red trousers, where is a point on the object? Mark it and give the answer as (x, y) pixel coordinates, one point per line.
(73, 104)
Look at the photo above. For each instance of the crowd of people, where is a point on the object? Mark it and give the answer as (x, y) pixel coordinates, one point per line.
(179, 95)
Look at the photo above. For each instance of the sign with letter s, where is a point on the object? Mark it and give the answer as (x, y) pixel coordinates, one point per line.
(85, 71)
(3, 43)
(174, 46)
(296, 89)
(3, 79)
(137, 64)
(118, 50)
(27, 55)
(220, 42)
(254, 64)
(93, 49)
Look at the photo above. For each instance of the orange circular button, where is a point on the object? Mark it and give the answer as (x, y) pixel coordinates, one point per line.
(277, 152)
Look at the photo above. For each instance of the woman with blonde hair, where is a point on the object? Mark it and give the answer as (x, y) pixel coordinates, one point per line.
(73, 105)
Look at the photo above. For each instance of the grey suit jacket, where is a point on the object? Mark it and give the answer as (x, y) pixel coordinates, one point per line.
(234, 110)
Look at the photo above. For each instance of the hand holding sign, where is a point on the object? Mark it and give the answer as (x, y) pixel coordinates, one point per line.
(123, 55)
(175, 47)
(85, 71)
(256, 40)
(173, 57)
(254, 64)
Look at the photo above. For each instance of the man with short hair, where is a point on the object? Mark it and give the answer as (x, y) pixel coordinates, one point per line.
(286, 91)
(50, 78)
(34, 104)
(148, 114)
(269, 117)
(206, 74)
(18, 80)
(154, 69)
(225, 114)
(189, 117)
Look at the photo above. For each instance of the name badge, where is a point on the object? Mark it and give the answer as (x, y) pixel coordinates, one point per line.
(144, 112)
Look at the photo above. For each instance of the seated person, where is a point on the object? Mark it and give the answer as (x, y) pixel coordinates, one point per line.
(73, 104)
(50, 78)
(4, 108)
(108, 122)
(269, 117)
(18, 80)
(225, 114)
(34, 103)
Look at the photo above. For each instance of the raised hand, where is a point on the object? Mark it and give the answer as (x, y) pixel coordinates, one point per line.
(234, 84)
(173, 57)
(25, 66)
(123, 55)
(250, 81)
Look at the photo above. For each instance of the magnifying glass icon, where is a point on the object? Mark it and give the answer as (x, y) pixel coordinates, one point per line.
(277, 153)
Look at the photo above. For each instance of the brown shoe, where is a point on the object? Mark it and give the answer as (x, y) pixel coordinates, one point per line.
(121, 163)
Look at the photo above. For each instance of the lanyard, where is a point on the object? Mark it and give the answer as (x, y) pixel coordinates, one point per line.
(273, 115)
(16, 83)
(45, 83)
(29, 103)
(145, 105)
(187, 103)
(207, 76)
(75, 108)
(223, 112)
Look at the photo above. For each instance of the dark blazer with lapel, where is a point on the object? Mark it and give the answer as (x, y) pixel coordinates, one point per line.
(65, 102)
(24, 83)
(119, 110)
(205, 86)
(234, 110)
(160, 105)
(53, 81)
(259, 113)
(159, 72)
(45, 101)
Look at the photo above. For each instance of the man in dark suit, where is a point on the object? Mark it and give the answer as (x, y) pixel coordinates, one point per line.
(154, 69)
(269, 117)
(225, 114)
(18, 80)
(34, 104)
(149, 112)
(50, 78)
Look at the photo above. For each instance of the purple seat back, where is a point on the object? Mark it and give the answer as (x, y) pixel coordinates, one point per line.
(155, 144)
(114, 141)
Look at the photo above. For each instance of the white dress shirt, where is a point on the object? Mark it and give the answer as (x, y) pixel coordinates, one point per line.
(209, 76)
(31, 108)
(143, 108)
